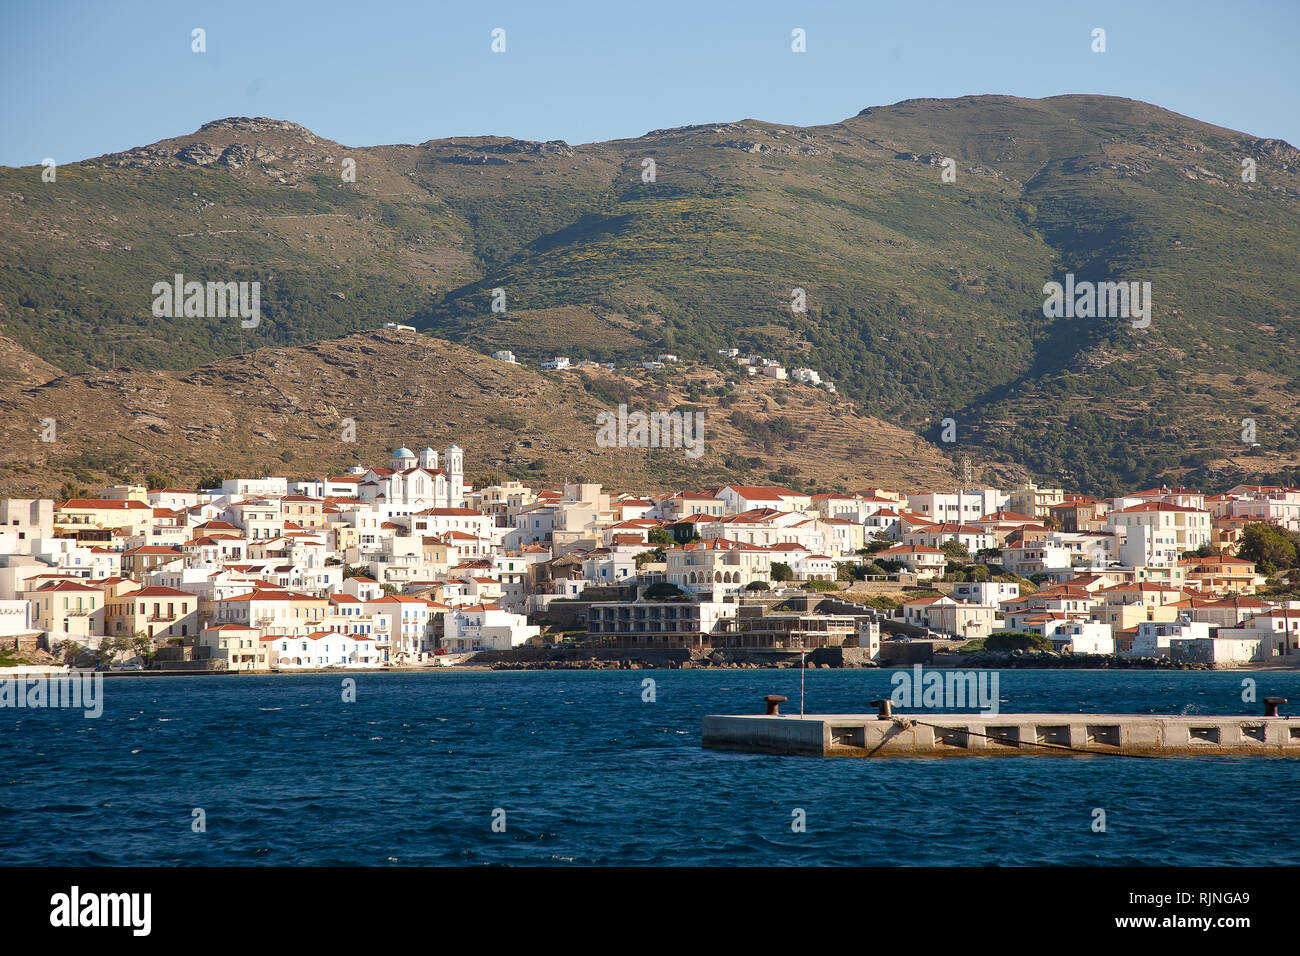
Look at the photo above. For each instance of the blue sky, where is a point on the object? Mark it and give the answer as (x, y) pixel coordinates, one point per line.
(86, 78)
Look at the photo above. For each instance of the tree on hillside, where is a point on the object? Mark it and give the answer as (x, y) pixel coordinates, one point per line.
(1269, 547)
(955, 550)
(663, 591)
(818, 585)
(141, 644)
(212, 479)
(67, 649)
(878, 542)
(781, 571)
(69, 490)
(1017, 641)
(684, 532)
(158, 480)
(109, 648)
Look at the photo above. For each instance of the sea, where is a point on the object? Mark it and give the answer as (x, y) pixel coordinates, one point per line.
(605, 768)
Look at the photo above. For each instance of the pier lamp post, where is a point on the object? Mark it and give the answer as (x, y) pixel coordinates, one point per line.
(802, 667)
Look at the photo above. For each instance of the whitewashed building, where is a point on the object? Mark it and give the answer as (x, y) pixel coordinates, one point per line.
(484, 627)
(322, 649)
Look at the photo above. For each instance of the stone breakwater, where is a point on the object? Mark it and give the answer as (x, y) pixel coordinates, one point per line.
(1037, 735)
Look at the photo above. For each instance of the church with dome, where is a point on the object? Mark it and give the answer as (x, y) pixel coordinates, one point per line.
(414, 482)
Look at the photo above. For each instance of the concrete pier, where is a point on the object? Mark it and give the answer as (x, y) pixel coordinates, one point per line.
(952, 735)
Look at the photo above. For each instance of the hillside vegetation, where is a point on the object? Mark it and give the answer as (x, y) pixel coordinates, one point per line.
(284, 411)
(924, 297)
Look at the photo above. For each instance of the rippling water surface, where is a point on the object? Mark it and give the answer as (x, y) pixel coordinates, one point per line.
(587, 772)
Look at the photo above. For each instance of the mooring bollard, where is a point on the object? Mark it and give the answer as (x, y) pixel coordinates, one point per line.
(774, 702)
(1271, 704)
(884, 709)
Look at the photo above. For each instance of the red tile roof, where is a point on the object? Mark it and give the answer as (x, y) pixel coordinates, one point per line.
(104, 504)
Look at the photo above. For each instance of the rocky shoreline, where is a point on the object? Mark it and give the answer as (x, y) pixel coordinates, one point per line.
(998, 660)
(533, 659)
(668, 659)
(740, 659)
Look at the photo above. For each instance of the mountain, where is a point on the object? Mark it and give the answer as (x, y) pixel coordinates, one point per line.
(924, 297)
(283, 411)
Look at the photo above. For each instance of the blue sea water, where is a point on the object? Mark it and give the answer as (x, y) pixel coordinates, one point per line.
(587, 772)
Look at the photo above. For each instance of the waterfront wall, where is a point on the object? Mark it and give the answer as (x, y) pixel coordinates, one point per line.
(27, 643)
